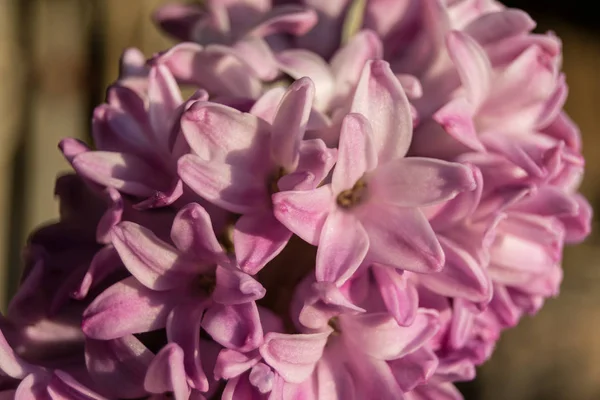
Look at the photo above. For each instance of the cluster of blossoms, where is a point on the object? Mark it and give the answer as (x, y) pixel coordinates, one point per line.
(355, 201)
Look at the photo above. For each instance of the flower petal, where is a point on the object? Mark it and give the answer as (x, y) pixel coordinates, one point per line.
(290, 122)
(231, 363)
(257, 239)
(118, 366)
(183, 328)
(342, 248)
(153, 262)
(419, 182)
(456, 119)
(167, 374)
(235, 327)
(379, 335)
(381, 99)
(356, 154)
(414, 369)
(128, 307)
(304, 212)
(164, 98)
(236, 287)
(11, 364)
(402, 238)
(232, 188)
(497, 25)
(293, 356)
(399, 295)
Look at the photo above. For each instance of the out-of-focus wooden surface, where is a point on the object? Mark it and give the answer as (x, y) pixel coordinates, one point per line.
(67, 51)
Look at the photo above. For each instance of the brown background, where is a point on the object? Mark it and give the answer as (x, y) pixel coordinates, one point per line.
(56, 58)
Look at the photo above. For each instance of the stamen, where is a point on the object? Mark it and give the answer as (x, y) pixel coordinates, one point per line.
(352, 197)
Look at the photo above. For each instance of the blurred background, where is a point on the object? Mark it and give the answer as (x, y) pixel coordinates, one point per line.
(58, 56)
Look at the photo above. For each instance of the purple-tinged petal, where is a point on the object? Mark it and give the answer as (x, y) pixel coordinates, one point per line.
(241, 388)
(379, 335)
(156, 264)
(118, 130)
(236, 287)
(304, 212)
(105, 262)
(232, 188)
(235, 327)
(456, 118)
(323, 302)
(257, 239)
(381, 99)
(436, 391)
(373, 378)
(257, 54)
(578, 226)
(128, 307)
(63, 386)
(118, 366)
(266, 105)
(342, 247)
(334, 380)
(132, 64)
(299, 63)
(125, 172)
(215, 131)
(548, 201)
(356, 154)
(462, 277)
(262, 377)
(414, 369)
(70, 148)
(11, 364)
(314, 165)
(293, 356)
(193, 234)
(419, 182)
(292, 19)
(554, 105)
(167, 374)
(178, 20)
(473, 66)
(231, 363)
(495, 26)
(399, 295)
(183, 328)
(111, 217)
(348, 63)
(290, 123)
(402, 238)
(164, 98)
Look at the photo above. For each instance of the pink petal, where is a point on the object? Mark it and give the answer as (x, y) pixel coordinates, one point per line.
(437, 391)
(356, 154)
(373, 378)
(128, 307)
(235, 327)
(193, 234)
(164, 98)
(402, 238)
(258, 238)
(266, 105)
(120, 131)
(462, 276)
(124, 172)
(215, 68)
(290, 122)
(214, 131)
(241, 388)
(293, 356)
(255, 52)
(183, 328)
(399, 295)
(548, 201)
(578, 227)
(473, 66)
(105, 262)
(342, 247)
(315, 162)
(111, 217)
(154, 263)
(236, 287)
(262, 378)
(231, 363)
(380, 336)
(292, 19)
(63, 386)
(381, 99)
(167, 373)
(298, 63)
(456, 118)
(414, 369)
(348, 63)
(11, 364)
(178, 20)
(419, 182)
(234, 189)
(304, 212)
(118, 366)
(495, 26)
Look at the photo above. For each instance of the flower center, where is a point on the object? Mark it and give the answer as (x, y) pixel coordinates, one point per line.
(207, 283)
(352, 197)
(334, 323)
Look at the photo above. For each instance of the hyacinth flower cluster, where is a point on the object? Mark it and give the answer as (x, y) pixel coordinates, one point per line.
(355, 201)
